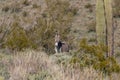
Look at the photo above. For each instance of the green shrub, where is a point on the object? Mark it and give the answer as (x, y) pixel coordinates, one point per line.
(17, 39)
(95, 55)
(3, 72)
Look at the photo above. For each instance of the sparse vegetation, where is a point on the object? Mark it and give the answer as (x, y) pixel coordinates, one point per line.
(56, 17)
(27, 31)
(37, 65)
(15, 9)
(25, 14)
(35, 6)
(116, 8)
(92, 40)
(26, 2)
(5, 9)
(95, 55)
(18, 39)
(89, 6)
(91, 26)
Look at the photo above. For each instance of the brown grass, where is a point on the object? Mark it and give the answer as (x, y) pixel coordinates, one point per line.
(23, 64)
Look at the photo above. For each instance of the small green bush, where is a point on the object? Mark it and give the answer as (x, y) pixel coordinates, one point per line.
(17, 39)
(95, 55)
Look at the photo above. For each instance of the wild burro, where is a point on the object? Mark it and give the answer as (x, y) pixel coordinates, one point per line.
(60, 46)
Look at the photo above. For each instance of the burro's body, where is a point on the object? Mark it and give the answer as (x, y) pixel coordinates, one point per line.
(59, 45)
(64, 47)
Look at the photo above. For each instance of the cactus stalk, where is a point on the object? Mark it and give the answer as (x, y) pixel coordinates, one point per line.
(110, 32)
(100, 22)
(104, 24)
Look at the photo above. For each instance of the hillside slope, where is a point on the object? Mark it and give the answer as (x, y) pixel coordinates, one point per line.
(85, 22)
(83, 26)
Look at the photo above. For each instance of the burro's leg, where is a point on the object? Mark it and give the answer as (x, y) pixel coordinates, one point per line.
(56, 47)
(60, 50)
(56, 50)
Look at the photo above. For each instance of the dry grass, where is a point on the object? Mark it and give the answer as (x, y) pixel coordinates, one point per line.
(23, 64)
(32, 65)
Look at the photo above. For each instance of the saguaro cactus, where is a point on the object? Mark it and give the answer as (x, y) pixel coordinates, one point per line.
(104, 24)
(109, 22)
(100, 22)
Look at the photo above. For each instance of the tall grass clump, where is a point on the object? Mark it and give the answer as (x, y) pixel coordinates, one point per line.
(26, 65)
